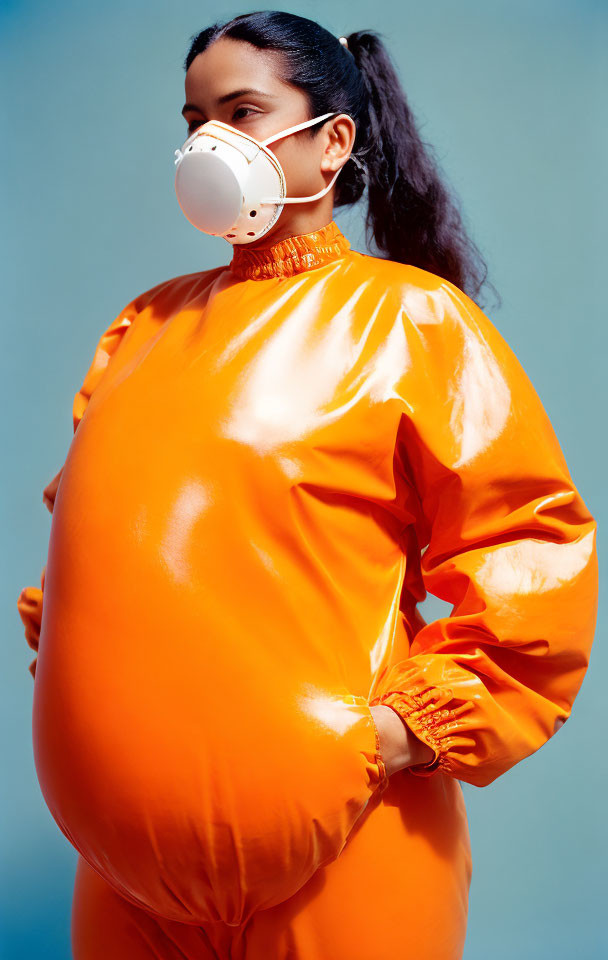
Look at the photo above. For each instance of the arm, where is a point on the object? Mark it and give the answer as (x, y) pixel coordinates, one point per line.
(30, 600)
(509, 542)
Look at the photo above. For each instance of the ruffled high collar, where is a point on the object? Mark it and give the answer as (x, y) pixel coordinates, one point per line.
(290, 256)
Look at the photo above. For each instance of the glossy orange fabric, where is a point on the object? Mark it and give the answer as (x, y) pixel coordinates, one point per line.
(272, 462)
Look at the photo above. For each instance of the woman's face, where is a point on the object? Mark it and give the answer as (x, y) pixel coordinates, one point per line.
(264, 105)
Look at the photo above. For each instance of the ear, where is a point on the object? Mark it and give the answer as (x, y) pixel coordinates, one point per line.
(340, 137)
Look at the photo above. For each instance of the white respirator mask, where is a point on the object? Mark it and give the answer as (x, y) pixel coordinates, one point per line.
(231, 185)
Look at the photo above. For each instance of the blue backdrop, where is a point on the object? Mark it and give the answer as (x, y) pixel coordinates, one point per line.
(509, 94)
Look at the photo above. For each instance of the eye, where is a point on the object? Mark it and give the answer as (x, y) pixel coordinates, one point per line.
(238, 109)
(197, 123)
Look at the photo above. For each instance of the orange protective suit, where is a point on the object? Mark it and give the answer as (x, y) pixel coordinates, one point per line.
(272, 463)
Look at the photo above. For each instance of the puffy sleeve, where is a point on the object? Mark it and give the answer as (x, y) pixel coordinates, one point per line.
(30, 600)
(504, 537)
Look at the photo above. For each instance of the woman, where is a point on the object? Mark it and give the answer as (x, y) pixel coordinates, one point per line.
(241, 720)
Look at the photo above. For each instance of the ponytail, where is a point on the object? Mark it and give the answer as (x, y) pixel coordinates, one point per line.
(410, 213)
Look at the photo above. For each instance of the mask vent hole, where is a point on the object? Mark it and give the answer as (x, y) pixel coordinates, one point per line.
(214, 147)
(253, 213)
(250, 233)
(230, 234)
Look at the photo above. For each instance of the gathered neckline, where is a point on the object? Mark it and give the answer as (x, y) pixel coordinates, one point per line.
(290, 256)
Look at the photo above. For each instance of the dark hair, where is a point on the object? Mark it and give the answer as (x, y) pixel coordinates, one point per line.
(411, 216)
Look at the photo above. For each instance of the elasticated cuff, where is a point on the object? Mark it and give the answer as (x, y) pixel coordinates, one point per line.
(424, 715)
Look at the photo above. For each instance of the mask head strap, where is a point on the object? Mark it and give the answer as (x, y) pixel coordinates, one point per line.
(297, 126)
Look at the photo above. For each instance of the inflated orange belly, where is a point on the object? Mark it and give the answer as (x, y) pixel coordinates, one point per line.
(194, 743)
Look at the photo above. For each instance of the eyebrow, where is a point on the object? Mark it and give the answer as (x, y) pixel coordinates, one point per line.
(230, 96)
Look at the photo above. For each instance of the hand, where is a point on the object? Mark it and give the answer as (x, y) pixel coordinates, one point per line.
(29, 605)
(399, 745)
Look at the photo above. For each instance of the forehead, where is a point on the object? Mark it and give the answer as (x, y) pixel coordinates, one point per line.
(229, 65)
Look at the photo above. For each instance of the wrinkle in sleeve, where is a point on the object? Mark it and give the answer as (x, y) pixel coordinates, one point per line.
(506, 539)
(30, 600)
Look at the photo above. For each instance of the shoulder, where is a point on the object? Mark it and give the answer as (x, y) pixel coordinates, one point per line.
(441, 327)
(393, 274)
(154, 304)
(429, 304)
(425, 296)
(174, 289)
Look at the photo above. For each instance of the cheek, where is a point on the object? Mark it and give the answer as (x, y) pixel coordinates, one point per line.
(300, 165)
